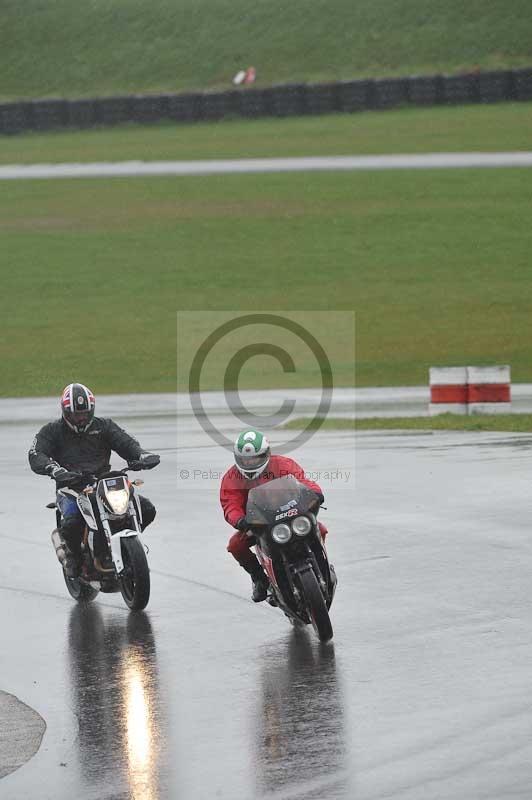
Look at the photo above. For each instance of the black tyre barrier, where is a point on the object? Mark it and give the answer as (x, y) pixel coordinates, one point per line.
(284, 100)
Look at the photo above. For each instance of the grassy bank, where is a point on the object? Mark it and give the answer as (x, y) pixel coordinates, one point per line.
(436, 265)
(515, 423)
(468, 128)
(100, 48)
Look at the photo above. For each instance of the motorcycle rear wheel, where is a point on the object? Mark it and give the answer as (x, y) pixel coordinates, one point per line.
(135, 580)
(80, 591)
(317, 606)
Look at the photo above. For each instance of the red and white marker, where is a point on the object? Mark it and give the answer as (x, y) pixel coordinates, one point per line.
(488, 390)
(448, 390)
(470, 390)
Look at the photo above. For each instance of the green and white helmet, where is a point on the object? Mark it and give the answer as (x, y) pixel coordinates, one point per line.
(252, 453)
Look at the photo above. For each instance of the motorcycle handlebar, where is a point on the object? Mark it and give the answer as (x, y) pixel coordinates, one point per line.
(86, 479)
(79, 483)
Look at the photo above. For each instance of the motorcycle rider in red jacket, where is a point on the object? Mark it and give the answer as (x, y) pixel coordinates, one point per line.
(253, 466)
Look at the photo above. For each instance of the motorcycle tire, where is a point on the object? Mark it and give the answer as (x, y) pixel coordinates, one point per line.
(317, 607)
(80, 591)
(135, 579)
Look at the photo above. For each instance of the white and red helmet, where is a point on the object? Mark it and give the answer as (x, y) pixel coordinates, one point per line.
(77, 407)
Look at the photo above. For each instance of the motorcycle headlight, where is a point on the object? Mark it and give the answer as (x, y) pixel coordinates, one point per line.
(118, 501)
(281, 533)
(301, 526)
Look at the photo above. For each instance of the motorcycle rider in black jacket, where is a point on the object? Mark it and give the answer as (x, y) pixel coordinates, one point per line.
(81, 443)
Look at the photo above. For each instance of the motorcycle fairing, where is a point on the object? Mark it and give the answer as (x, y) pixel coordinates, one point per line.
(286, 563)
(267, 565)
(85, 507)
(134, 498)
(280, 497)
(104, 492)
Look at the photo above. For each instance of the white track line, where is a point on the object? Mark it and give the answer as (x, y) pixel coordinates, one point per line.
(258, 165)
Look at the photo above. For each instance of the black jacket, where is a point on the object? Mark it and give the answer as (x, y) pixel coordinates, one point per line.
(57, 445)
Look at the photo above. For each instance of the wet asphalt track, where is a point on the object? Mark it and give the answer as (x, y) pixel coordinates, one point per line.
(423, 694)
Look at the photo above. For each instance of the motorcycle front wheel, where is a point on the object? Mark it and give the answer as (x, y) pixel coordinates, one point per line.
(80, 591)
(135, 579)
(316, 605)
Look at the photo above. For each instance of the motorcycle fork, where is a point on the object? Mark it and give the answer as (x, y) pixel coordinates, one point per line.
(314, 566)
(291, 571)
(86, 549)
(98, 563)
(322, 579)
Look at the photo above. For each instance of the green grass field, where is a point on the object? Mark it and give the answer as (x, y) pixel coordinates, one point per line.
(436, 265)
(511, 423)
(469, 128)
(62, 48)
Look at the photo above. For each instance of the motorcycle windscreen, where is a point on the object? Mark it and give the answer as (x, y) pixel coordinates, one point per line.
(277, 496)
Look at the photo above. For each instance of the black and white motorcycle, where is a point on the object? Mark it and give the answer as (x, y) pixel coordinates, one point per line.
(113, 554)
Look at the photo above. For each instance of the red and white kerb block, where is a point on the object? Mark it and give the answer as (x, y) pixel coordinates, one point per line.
(448, 390)
(470, 390)
(488, 390)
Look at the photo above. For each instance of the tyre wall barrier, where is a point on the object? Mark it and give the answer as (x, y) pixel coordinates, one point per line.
(275, 101)
(470, 390)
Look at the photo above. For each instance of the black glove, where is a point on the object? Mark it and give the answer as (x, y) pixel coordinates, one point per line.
(145, 461)
(64, 477)
(319, 500)
(242, 525)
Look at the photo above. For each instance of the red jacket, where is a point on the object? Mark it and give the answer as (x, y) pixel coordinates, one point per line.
(234, 489)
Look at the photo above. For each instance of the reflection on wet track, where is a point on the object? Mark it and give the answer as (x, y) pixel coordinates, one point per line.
(422, 695)
(300, 745)
(114, 685)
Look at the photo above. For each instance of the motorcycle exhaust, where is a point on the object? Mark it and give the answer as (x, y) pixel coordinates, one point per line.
(98, 565)
(59, 546)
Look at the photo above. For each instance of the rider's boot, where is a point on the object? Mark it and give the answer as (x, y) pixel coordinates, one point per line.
(72, 561)
(260, 584)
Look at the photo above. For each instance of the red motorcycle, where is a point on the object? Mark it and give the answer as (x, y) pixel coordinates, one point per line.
(282, 516)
